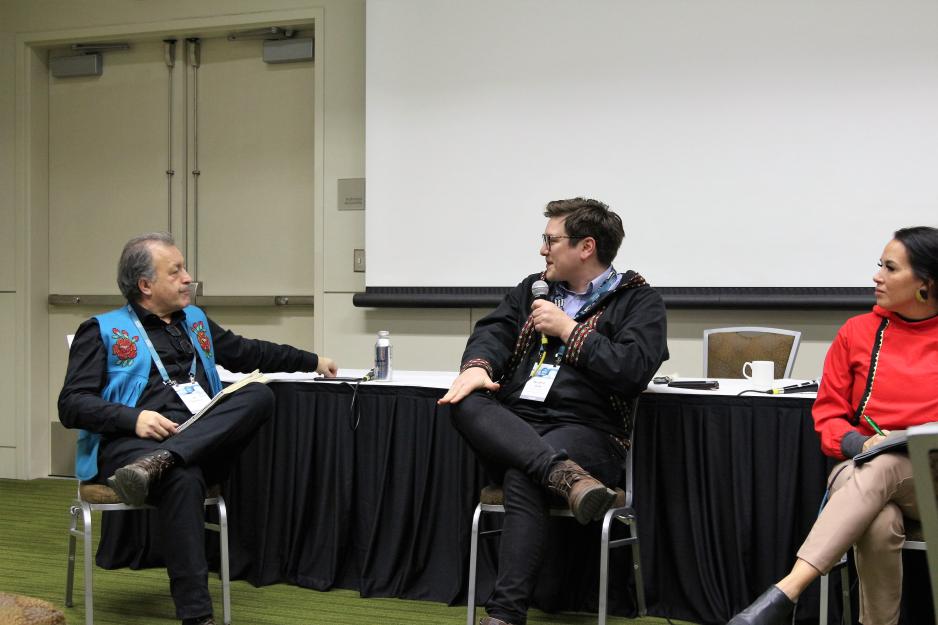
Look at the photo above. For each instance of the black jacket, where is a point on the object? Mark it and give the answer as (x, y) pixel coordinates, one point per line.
(611, 356)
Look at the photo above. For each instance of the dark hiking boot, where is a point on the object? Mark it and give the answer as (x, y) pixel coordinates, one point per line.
(587, 497)
(132, 482)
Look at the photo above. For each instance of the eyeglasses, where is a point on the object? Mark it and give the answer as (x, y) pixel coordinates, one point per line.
(175, 335)
(550, 239)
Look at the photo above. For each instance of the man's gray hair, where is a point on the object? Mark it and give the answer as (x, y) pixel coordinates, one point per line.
(137, 262)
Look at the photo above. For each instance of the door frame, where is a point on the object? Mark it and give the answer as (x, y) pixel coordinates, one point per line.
(33, 413)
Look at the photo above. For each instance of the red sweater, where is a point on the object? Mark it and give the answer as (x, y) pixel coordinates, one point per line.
(905, 384)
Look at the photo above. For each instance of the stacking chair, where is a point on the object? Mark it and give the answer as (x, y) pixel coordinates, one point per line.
(97, 497)
(725, 350)
(491, 501)
(913, 541)
(923, 451)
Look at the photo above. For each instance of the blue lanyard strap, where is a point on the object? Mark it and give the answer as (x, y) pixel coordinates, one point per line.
(605, 286)
(601, 290)
(156, 358)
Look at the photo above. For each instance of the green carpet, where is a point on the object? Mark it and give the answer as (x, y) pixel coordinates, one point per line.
(33, 543)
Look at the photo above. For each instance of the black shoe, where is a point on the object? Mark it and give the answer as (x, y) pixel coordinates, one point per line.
(132, 482)
(773, 607)
(202, 620)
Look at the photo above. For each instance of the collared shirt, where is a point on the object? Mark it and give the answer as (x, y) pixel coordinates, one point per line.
(81, 404)
(573, 302)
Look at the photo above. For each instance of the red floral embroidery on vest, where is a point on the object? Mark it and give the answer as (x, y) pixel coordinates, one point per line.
(124, 348)
(199, 328)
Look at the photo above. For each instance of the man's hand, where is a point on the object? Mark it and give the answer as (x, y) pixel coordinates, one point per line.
(551, 320)
(472, 379)
(327, 367)
(153, 425)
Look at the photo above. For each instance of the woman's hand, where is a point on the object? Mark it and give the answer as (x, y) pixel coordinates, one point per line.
(875, 440)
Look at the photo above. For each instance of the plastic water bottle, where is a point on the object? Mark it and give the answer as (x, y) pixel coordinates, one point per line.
(383, 356)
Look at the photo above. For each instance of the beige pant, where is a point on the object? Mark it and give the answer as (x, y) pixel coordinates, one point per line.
(866, 509)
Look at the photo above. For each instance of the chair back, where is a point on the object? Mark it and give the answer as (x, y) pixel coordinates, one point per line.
(726, 350)
(923, 451)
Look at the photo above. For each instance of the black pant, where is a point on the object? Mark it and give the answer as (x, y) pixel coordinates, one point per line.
(207, 450)
(521, 453)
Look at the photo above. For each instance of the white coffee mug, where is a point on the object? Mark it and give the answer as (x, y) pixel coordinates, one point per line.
(761, 372)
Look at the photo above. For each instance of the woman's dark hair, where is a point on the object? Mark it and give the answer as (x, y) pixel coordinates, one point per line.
(921, 245)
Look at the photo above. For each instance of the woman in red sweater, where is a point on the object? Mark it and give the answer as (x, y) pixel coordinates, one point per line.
(880, 375)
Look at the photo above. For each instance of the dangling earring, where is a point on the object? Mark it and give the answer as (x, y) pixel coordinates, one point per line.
(921, 296)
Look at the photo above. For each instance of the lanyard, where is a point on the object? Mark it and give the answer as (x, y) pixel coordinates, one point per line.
(605, 286)
(156, 359)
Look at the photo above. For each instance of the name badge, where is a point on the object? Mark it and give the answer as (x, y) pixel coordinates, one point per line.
(192, 396)
(539, 384)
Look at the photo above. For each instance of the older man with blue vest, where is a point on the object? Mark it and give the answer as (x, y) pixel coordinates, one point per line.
(136, 373)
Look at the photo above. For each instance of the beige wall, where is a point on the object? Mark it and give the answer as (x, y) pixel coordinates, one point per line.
(7, 254)
(423, 339)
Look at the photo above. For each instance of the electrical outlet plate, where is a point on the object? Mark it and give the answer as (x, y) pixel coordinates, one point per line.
(358, 260)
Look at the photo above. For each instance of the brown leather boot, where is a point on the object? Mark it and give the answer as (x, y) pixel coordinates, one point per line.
(132, 482)
(587, 497)
(488, 620)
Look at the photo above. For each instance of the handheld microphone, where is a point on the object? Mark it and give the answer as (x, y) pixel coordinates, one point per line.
(540, 289)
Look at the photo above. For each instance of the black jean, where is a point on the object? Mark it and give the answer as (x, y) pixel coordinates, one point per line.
(521, 454)
(207, 450)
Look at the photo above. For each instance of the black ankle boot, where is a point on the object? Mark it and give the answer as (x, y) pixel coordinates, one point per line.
(132, 482)
(773, 607)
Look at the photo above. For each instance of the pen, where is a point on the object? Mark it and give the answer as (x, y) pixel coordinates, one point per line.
(794, 388)
(873, 425)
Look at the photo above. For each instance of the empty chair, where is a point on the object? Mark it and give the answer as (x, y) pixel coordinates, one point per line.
(725, 350)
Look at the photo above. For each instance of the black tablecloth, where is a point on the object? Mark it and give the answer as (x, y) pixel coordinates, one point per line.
(726, 490)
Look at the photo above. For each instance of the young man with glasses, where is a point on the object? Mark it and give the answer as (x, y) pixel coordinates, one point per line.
(544, 389)
(135, 374)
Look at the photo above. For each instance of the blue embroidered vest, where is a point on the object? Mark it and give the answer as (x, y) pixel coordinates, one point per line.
(128, 371)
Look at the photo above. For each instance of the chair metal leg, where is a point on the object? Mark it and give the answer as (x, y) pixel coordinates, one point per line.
(473, 557)
(825, 590)
(72, 547)
(224, 572)
(846, 612)
(89, 564)
(606, 545)
(637, 568)
(845, 591)
(604, 567)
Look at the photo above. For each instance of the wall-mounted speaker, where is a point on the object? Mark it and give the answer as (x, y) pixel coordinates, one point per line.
(77, 65)
(288, 50)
